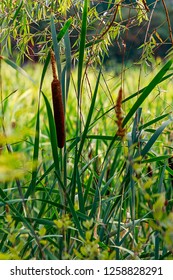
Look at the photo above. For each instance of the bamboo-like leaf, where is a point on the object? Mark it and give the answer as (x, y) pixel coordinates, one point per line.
(147, 91)
(17, 12)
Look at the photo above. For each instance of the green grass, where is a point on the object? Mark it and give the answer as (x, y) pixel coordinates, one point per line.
(101, 197)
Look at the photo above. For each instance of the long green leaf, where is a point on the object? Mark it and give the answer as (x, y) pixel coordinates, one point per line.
(56, 46)
(142, 89)
(59, 37)
(89, 116)
(53, 137)
(82, 45)
(16, 67)
(32, 185)
(17, 12)
(147, 91)
(68, 61)
(154, 138)
(153, 121)
(73, 212)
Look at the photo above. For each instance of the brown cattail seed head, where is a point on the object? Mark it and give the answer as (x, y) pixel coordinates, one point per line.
(118, 111)
(58, 107)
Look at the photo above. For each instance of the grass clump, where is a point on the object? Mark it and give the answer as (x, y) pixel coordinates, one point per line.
(104, 192)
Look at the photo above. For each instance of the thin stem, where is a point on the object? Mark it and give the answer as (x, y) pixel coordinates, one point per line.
(168, 21)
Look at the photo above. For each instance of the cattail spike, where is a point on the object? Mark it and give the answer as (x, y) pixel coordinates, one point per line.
(118, 111)
(58, 107)
(53, 63)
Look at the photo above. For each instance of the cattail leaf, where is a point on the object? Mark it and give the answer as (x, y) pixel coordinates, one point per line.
(59, 37)
(53, 137)
(32, 185)
(16, 67)
(101, 137)
(68, 61)
(64, 29)
(45, 173)
(46, 64)
(89, 117)
(80, 194)
(56, 46)
(154, 137)
(136, 122)
(82, 45)
(18, 216)
(88, 187)
(53, 203)
(96, 201)
(155, 159)
(153, 121)
(73, 212)
(142, 89)
(147, 91)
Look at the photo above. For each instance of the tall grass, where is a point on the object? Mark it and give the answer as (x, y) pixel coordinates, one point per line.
(104, 195)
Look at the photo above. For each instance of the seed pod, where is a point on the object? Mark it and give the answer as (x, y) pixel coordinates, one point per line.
(58, 107)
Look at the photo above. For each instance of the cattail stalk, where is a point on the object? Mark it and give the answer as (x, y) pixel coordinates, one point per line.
(119, 115)
(58, 107)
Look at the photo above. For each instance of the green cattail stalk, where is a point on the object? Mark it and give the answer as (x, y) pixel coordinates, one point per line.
(58, 107)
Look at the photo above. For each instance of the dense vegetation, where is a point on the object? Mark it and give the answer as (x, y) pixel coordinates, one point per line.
(107, 194)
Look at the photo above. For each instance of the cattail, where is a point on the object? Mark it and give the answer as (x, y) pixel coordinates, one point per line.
(118, 111)
(58, 107)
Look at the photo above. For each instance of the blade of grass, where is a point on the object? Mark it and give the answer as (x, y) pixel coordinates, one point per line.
(142, 89)
(153, 121)
(64, 29)
(89, 117)
(60, 35)
(53, 137)
(16, 67)
(154, 137)
(73, 211)
(80, 194)
(68, 61)
(55, 46)
(32, 185)
(147, 91)
(82, 47)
